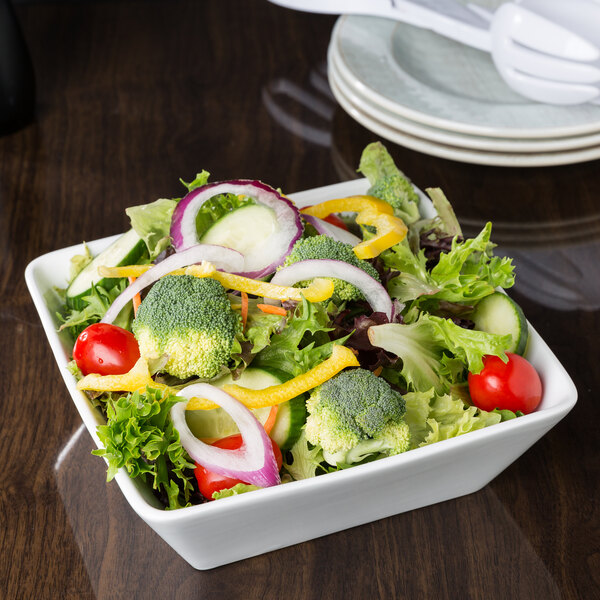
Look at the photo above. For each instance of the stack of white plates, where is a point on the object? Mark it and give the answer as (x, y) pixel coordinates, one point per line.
(425, 92)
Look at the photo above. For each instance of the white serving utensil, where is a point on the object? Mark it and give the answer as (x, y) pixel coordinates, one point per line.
(543, 50)
(449, 18)
(537, 60)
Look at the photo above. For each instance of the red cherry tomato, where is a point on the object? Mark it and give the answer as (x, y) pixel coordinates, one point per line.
(514, 385)
(209, 482)
(105, 349)
(335, 220)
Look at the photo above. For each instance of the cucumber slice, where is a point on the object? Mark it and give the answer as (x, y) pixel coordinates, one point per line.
(244, 229)
(218, 207)
(291, 417)
(125, 250)
(216, 423)
(500, 314)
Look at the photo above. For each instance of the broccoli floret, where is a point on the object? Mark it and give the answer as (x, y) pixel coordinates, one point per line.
(325, 247)
(356, 414)
(399, 192)
(190, 320)
(388, 183)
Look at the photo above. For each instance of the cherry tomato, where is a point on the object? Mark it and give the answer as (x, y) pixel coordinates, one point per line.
(105, 349)
(335, 220)
(514, 385)
(209, 482)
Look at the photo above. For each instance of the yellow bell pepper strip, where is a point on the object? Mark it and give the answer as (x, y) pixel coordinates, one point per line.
(138, 378)
(341, 357)
(349, 204)
(390, 230)
(205, 269)
(320, 289)
(132, 271)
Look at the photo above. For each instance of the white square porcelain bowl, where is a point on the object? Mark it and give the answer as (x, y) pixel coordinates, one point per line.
(231, 529)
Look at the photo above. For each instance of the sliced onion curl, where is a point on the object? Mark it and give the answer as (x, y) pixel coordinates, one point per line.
(223, 258)
(253, 462)
(375, 294)
(264, 258)
(333, 231)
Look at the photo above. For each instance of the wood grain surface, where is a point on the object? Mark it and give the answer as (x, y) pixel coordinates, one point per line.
(133, 95)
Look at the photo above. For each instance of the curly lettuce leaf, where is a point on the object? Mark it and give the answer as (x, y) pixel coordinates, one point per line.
(444, 225)
(200, 180)
(433, 417)
(79, 262)
(302, 344)
(433, 350)
(255, 337)
(305, 460)
(236, 490)
(465, 274)
(260, 327)
(140, 437)
(152, 222)
(95, 306)
(470, 264)
(445, 220)
(402, 258)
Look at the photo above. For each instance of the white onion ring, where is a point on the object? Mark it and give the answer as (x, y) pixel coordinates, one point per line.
(223, 258)
(269, 256)
(333, 231)
(254, 462)
(375, 294)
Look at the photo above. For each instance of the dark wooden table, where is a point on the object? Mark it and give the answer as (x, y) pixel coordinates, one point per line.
(131, 96)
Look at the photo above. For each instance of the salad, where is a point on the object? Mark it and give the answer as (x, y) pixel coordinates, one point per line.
(234, 341)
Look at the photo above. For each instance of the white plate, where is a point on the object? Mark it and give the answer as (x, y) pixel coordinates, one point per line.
(443, 136)
(429, 79)
(231, 529)
(380, 125)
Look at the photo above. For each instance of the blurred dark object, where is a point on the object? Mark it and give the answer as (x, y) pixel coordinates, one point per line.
(17, 82)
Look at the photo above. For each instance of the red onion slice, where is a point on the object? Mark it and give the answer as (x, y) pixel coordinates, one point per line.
(266, 257)
(223, 258)
(253, 462)
(333, 231)
(375, 294)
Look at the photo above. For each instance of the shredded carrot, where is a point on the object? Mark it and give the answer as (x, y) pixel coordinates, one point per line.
(378, 370)
(244, 296)
(272, 310)
(137, 299)
(137, 378)
(271, 418)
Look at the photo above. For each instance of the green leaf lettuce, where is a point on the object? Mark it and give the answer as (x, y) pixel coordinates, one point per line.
(140, 437)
